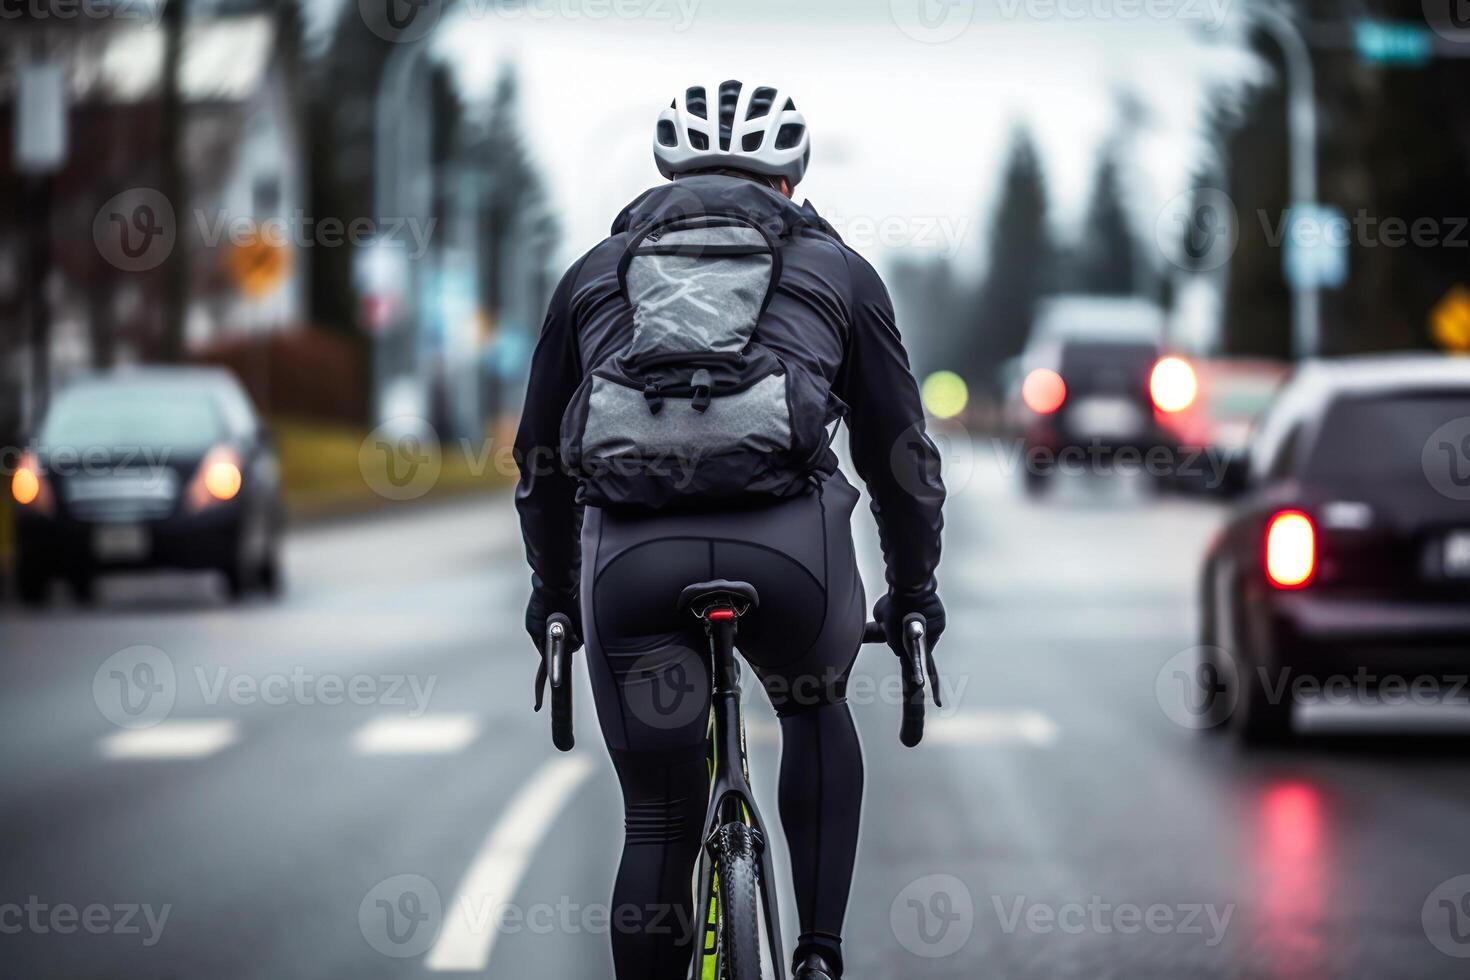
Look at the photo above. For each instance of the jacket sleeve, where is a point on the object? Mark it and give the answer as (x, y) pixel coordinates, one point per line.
(551, 518)
(891, 450)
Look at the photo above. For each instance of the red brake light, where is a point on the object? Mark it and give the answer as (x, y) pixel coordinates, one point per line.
(1291, 550)
(1044, 391)
(721, 615)
(1173, 385)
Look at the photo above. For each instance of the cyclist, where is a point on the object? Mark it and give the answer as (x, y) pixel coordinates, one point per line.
(616, 571)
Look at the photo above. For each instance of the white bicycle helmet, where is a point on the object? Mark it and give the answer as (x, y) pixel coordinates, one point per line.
(754, 128)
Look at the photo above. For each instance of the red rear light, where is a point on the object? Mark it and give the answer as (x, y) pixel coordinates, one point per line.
(1044, 391)
(1291, 550)
(1173, 385)
(721, 615)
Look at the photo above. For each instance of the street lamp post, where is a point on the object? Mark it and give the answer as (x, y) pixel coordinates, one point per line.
(1302, 134)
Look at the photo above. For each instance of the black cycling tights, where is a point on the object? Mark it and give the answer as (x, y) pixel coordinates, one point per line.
(650, 674)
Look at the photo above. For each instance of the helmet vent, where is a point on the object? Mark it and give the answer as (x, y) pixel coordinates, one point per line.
(760, 102)
(694, 101)
(751, 142)
(667, 135)
(788, 136)
(698, 140)
(729, 95)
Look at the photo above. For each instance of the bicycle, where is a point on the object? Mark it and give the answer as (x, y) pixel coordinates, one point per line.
(735, 869)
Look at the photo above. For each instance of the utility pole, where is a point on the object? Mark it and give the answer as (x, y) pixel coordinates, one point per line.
(173, 179)
(40, 150)
(1302, 135)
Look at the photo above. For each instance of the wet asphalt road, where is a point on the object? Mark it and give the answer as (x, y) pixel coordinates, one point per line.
(348, 782)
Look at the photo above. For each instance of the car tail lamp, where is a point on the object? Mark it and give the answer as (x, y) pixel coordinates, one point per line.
(1044, 391)
(219, 478)
(29, 487)
(1173, 385)
(1291, 550)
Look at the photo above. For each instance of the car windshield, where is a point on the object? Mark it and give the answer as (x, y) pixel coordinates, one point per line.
(1386, 438)
(116, 416)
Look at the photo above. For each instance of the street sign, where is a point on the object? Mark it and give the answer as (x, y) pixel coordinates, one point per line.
(259, 267)
(1393, 44)
(1450, 321)
(1315, 249)
(40, 132)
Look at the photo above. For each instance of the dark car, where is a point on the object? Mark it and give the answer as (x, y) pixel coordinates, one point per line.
(1345, 564)
(149, 469)
(1086, 385)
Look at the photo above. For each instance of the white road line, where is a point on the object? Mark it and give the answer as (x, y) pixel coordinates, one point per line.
(469, 932)
(435, 734)
(1023, 727)
(171, 740)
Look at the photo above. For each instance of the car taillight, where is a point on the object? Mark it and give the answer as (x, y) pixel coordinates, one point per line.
(1044, 391)
(1291, 550)
(29, 487)
(1173, 385)
(219, 478)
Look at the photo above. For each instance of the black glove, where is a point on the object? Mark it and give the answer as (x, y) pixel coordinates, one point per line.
(542, 606)
(894, 608)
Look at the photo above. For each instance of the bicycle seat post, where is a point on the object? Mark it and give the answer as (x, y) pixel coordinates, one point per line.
(721, 623)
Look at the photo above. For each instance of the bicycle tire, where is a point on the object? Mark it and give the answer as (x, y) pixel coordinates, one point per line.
(737, 856)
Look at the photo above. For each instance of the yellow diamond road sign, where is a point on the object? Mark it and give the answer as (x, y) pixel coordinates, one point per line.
(259, 266)
(1451, 320)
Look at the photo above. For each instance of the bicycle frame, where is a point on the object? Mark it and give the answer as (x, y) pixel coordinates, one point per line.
(731, 799)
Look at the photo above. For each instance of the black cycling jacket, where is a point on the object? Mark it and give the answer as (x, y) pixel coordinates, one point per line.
(829, 313)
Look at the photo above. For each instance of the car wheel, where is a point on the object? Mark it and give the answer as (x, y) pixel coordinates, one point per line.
(270, 575)
(1034, 483)
(83, 588)
(1264, 721)
(31, 587)
(237, 582)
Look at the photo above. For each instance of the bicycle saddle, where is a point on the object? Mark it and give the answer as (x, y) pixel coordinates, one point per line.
(697, 598)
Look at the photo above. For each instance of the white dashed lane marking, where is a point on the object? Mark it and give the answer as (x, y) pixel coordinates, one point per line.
(171, 740)
(433, 734)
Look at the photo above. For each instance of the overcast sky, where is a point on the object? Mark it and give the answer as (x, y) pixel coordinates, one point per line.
(910, 117)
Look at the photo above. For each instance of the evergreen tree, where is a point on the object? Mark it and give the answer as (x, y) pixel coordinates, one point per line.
(1107, 254)
(1022, 259)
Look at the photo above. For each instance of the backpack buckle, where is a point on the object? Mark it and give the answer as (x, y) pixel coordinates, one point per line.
(654, 397)
(702, 384)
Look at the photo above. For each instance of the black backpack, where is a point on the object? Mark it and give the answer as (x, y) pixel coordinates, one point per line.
(693, 409)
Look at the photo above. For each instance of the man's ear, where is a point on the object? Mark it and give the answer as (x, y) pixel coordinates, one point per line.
(784, 187)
